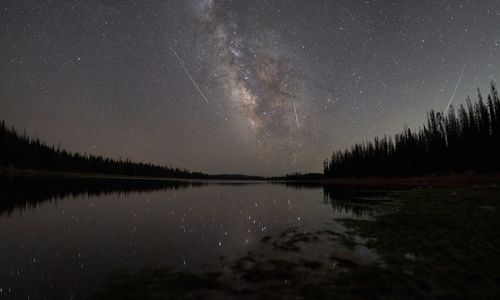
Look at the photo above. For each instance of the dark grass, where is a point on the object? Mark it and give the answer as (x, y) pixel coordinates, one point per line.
(439, 244)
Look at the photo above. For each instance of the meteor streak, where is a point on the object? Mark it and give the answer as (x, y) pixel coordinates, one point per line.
(185, 70)
(456, 87)
(295, 111)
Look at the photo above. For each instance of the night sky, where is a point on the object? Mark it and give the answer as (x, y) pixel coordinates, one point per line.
(255, 87)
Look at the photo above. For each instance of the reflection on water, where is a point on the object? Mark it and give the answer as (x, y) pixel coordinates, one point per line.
(62, 237)
(20, 193)
(356, 204)
(346, 202)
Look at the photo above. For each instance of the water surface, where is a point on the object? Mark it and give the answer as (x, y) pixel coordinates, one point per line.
(61, 239)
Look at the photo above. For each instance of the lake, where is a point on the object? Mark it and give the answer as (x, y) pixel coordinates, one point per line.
(61, 239)
(145, 239)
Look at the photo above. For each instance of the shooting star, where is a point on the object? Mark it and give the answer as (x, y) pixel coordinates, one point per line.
(295, 111)
(185, 70)
(456, 87)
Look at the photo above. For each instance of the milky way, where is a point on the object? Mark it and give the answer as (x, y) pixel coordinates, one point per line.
(258, 81)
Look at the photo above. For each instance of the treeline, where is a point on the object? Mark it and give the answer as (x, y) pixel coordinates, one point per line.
(23, 152)
(467, 141)
(298, 176)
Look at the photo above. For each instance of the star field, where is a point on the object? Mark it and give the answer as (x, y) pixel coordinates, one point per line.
(255, 87)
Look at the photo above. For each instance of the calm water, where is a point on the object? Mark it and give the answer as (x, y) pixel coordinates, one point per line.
(60, 240)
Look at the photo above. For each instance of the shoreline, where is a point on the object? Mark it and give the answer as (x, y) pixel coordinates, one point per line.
(14, 172)
(48, 173)
(447, 181)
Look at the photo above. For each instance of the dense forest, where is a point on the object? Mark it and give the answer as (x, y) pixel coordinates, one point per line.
(467, 141)
(22, 152)
(299, 176)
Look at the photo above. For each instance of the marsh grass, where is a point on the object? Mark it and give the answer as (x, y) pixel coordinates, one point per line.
(439, 243)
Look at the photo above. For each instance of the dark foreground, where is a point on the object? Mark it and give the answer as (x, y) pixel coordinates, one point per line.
(422, 243)
(117, 238)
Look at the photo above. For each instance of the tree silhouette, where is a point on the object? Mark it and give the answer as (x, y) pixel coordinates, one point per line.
(455, 143)
(22, 152)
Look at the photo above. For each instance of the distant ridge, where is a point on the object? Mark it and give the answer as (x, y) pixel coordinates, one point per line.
(236, 177)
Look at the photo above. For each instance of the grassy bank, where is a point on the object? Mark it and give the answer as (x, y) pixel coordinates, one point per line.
(439, 244)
